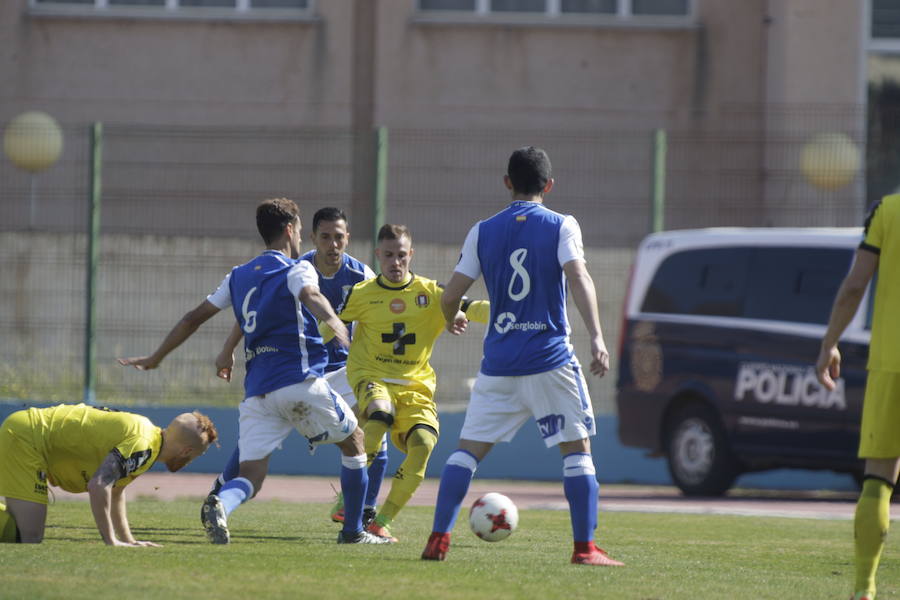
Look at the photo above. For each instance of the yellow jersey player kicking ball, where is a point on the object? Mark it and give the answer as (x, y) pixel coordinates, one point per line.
(399, 319)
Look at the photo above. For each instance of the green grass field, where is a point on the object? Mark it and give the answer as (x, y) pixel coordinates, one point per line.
(283, 550)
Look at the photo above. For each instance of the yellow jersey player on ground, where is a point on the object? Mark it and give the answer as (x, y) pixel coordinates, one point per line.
(84, 448)
(879, 442)
(399, 319)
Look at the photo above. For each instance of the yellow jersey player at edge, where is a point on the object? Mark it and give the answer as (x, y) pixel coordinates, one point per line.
(399, 319)
(879, 442)
(84, 448)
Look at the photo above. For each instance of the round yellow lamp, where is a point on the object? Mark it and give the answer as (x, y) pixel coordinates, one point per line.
(829, 161)
(33, 141)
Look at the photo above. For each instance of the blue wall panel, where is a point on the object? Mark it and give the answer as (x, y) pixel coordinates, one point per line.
(525, 457)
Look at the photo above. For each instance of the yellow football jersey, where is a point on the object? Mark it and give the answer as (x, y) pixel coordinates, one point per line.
(76, 438)
(883, 238)
(397, 326)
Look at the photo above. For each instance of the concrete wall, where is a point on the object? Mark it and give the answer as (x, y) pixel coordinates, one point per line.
(815, 52)
(176, 71)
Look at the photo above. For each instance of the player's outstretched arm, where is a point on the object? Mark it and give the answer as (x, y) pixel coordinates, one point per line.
(100, 492)
(321, 309)
(120, 520)
(225, 359)
(182, 330)
(451, 297)
(850, 294)
(585, 297)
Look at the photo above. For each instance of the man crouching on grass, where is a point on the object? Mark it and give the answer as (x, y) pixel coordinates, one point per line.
(85, 448)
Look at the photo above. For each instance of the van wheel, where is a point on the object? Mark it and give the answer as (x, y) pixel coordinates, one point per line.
(700, 460)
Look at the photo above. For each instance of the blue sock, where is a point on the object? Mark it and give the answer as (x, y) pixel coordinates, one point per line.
(455, 480)
(233, 466)
(376, 474)
(234, 493)
(354, 481)
(581, 487)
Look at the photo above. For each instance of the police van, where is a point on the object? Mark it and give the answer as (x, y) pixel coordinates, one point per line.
(721, 329)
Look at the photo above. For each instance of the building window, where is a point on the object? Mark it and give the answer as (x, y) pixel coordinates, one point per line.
(447, 5)
(238, 5)
(589, 6)
(621, 8)
(125, 2)
(885, 19)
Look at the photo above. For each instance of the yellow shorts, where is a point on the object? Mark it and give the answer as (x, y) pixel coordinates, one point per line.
(412, 405)
(878, 437)
(23, 472)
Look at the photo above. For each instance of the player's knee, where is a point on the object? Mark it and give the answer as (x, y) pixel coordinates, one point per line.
(422, 436)
(356, 438)
(382, 416)
(354, 444)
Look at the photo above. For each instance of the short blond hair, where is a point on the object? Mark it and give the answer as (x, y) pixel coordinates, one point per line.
(394, 232)
(206, 428)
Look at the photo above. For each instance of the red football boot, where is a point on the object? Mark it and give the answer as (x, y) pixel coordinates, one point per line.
(594, 556)
(437, 547)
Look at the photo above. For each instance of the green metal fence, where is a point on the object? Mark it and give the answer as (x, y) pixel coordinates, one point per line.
(178, 212)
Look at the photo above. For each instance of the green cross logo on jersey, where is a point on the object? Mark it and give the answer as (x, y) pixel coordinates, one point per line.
(399, 338)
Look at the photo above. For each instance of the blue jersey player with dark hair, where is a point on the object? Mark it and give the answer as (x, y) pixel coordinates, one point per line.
(277, 303)
(337, 272)
(528, 255)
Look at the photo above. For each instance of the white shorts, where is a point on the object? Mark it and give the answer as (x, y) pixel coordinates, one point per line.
(558, 400)
(338, 382)
(310, 407)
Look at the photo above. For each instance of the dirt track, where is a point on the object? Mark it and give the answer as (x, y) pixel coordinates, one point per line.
(527, 495)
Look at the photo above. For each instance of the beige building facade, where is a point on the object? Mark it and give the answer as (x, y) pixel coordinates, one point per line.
(764, 74)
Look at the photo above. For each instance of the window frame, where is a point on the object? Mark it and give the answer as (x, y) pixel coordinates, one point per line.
(885, 45)
(172, 9)
(625, 11)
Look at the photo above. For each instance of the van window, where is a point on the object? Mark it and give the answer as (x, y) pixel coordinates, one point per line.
(773, 283)
(795, 284)
(709, 281)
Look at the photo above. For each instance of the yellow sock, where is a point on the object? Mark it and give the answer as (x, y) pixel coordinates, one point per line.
(419, 444)
(870, 527)
(8, 529)
(374, 430)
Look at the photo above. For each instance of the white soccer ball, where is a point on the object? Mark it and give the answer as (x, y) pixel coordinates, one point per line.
(493, 517)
